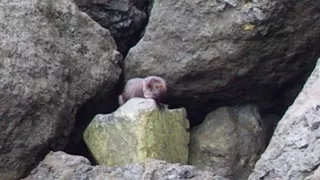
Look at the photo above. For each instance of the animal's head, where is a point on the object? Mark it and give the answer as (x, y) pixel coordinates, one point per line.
(154, 87)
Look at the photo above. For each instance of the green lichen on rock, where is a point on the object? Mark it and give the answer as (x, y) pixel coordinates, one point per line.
(107, 140)
(163, 136)
(136, 131)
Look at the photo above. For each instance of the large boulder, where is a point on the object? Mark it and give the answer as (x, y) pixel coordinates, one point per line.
(228, 142)
(136, 131)
(61, 166)
(293, 152)
(53, 58)
(227, 50)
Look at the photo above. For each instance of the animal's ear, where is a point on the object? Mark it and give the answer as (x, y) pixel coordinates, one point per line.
(152, 80)
(147, 84)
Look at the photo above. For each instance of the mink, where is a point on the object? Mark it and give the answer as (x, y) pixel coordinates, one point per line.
(151, 87)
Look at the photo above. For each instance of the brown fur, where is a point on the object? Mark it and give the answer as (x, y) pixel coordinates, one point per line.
(151, 87)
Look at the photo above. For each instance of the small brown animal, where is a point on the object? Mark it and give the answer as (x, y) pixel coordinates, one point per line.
(151, 87)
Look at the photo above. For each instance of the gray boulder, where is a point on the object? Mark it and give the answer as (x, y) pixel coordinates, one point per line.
(61, 166)
(53, 58)
(293, 152)
(227, 50)
(228, 142)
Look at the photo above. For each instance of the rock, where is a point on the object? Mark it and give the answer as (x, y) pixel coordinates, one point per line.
(125, 19)
(228, 142)
(227, 50)
(136, 131)
(53, 58)
(293, 152)
(316, 174)
(59, 165)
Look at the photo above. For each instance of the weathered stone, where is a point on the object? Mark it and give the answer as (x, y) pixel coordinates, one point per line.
(293, 152)
(138, 130)
(316, 174)
(228, 142)
(60, 166)
(124, 18)
(227, 50)
(53, 58)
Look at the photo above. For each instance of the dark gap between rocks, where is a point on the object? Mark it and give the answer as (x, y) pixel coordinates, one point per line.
(282, 101)
(125, 37)
(98, 105)
(196, 109)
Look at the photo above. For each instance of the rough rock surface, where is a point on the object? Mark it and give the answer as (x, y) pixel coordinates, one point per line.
(228, 142)
(227, 50)
(136, 131)
(293, 152)
(53, 58)
(316, 174)
(125, 19)
(59, 166)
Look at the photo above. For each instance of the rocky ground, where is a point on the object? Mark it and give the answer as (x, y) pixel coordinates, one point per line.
(242, 101)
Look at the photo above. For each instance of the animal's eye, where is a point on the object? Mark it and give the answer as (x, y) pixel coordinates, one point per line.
(159, 86)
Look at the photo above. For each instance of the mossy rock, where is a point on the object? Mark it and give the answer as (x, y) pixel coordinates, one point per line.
(136, 131)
